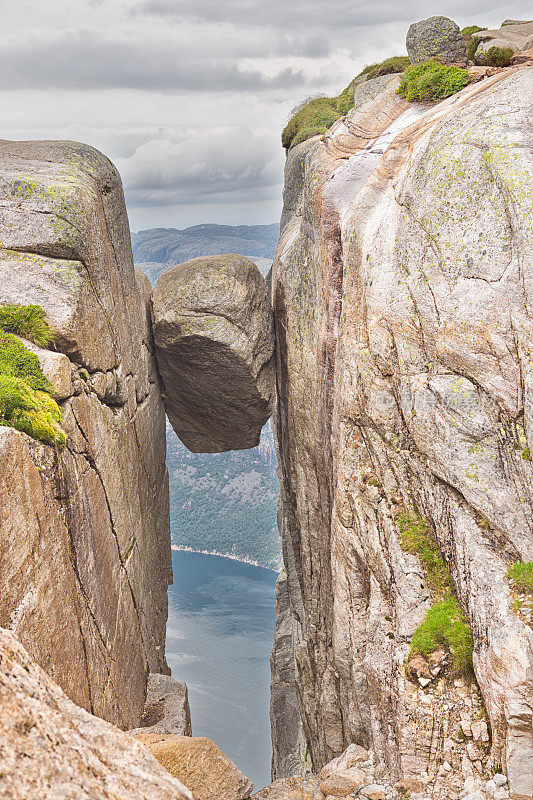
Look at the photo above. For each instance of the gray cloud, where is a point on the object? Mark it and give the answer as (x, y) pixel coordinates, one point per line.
(227, 164)
(86, 61)
(342, 15)
(189, 96)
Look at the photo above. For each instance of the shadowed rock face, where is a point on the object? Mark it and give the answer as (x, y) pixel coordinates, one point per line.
(405, 381)
(51, 748)
(213, 332)
(84, 544)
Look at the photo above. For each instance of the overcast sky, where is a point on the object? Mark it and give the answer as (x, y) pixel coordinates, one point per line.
(188, 97)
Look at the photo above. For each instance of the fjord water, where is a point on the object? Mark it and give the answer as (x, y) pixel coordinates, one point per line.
(219, 636)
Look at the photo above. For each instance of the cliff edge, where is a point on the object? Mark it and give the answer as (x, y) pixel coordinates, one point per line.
(402, 300)
(85, 543)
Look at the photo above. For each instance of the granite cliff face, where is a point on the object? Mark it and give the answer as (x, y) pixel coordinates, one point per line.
(402, 300)
(84, 546)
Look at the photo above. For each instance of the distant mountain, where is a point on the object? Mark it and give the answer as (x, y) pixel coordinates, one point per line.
(157, 249)
(225, 502)
(219, 502)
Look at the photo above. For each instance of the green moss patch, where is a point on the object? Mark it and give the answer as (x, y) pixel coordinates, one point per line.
(472, 46)
(316, 116)
(521, 574)
(432, 81)
(470, 30)
(27, 321)
(444, 625)
(415, 539)
(25, 401)
(496, 57)
(387, 67)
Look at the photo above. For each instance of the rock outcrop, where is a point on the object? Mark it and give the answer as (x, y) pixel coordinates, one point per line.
(200, 765)
(84, 545)
(436, 37)
(402, 294)
(213, 331)
(50, 748)
(518, 37)
(166, 709)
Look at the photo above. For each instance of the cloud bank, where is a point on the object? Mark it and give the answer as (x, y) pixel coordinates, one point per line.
(188, 97)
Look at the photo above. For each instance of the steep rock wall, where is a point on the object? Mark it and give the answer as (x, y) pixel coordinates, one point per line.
(401, 292)
(84, 544)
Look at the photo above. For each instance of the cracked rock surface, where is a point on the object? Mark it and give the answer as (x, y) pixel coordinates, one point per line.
(85, 543)
(53, 749)
(402, 300)
(214, 338)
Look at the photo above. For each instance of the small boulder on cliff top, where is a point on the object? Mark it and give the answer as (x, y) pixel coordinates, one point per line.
(436, 37)
(214, 337)
(198, 763)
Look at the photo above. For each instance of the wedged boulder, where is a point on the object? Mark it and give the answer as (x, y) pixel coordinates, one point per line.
(436, 37)
(50, 748)
(200, 765)
(213, 332)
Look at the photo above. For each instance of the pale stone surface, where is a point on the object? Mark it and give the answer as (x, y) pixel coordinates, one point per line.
(50, 748)
(200, 765)
(404, 375)
(374, 792)
(85, 545)
(57, 368)
(343, 782)
(296, 788)
(213, 331)
(518, 37)
(166, 709)
(435, 37)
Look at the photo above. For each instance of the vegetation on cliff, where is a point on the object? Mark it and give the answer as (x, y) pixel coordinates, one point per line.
(25, 401)
(432, 81)
(444, 625)
(314, 117)
(225, 502)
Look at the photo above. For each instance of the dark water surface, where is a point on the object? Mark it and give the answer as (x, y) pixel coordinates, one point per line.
(219, 636)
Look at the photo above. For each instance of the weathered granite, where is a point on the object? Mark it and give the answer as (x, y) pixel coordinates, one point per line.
(84, 545)
(518, 37)
(200, 765)
(214, 337)
(436, 37)
(401, 290)
(50, 748)
(166, 709)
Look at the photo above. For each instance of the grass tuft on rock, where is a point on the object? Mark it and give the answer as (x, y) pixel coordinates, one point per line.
(27, 321)
(444, 625)
(521, 574)
(415, 539)
(497, 57)
(387, 67)
(316, 115)
(25, 402)
(472, 46)
(470, 30)
(432, 81)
